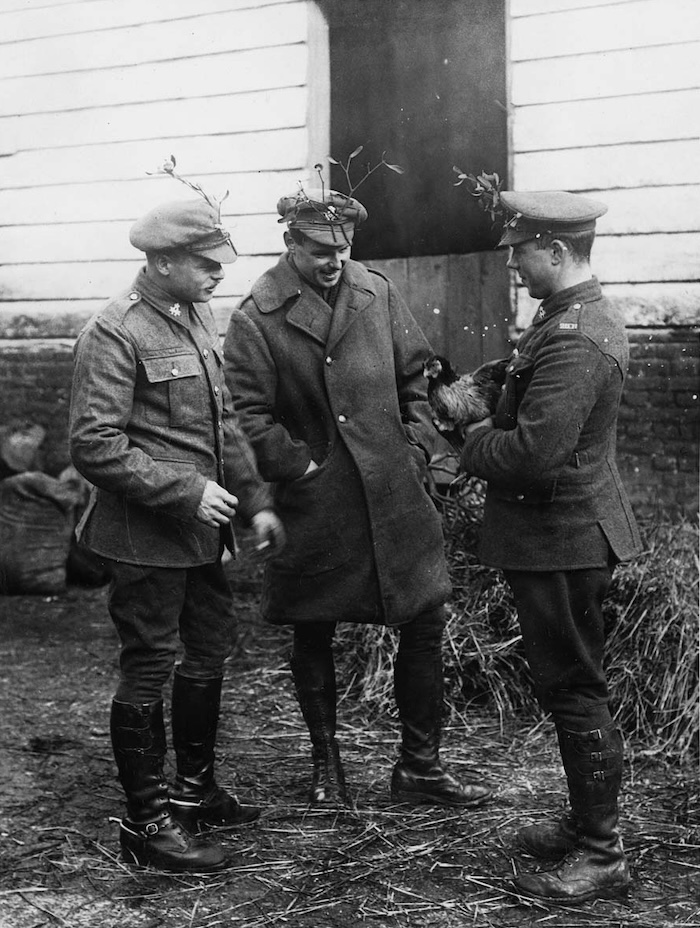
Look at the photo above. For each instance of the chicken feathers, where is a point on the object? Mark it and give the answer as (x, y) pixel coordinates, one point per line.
(457, 401)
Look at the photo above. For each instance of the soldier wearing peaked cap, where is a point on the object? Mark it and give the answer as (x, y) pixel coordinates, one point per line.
(557, 520)
(152, 428)
(324, 362)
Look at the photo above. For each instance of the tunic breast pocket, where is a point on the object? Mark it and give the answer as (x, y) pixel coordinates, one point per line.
(176, 389)
(518, 376)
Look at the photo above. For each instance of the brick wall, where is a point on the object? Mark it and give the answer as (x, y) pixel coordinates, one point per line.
(658, 433)
(659, 423)
(35, 381)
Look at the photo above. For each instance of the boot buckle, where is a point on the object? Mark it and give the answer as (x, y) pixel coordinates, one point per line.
(598, 774)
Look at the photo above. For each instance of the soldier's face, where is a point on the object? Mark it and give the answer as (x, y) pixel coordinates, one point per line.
(191, 278)
(534, 267)
(320, 264)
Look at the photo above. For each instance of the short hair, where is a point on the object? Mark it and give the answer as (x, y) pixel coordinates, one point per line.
(578, 243)
(298, 236)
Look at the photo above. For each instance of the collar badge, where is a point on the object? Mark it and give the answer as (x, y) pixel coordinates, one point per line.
(540, 313)
(175, 310)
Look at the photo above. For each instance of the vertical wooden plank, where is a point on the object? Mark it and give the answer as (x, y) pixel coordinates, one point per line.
(463, 346)
(480, 310)
(497, 311)
(427, 297)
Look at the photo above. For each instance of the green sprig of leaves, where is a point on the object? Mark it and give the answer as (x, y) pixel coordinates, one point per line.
(486, 189)
(396, 168)
(168, 167)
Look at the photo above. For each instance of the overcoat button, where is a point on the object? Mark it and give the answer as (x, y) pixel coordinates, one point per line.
(329, 360)
(342, 418)
(205, 353)
(133, 296)
(216, 390)
(520, 497)
(174, 372)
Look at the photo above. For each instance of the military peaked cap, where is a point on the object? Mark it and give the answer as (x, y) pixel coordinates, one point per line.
(186, 225)
(327, 217)
(539, 212)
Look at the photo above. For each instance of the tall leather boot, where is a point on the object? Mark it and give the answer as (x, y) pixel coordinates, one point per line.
(550, 840)
(314, 681)
(596, 867)
(148, 834)
(196, 800)
(418, 776)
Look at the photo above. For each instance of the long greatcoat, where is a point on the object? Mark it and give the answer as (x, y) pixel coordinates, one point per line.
(344, 387)
(555, 500)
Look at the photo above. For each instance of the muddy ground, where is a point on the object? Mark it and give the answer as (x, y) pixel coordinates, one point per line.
(381, 865)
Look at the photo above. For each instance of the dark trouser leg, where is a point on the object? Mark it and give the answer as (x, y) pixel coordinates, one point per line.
(148, 835)
(145, 604)
(206, 629)
(418, 776)
(561, 619)
(313, 671)
(196, 800)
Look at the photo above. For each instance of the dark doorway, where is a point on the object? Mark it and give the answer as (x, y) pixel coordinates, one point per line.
(425, 81)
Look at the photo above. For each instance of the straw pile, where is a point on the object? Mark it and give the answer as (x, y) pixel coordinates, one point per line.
(651, 613)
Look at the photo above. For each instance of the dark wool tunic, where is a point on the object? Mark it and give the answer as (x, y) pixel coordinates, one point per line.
(343, 386)
(151, 421)
(555, 500)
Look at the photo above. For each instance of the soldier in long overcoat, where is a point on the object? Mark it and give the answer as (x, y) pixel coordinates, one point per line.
(324, 362)
(152, 427)
(557, 520)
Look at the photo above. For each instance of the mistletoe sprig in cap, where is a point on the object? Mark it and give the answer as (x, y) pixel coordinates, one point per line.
(192, 226)
(168, 167)
(486, 189)
(329, 216)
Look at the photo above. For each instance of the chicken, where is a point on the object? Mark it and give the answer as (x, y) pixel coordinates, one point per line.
(456, 400)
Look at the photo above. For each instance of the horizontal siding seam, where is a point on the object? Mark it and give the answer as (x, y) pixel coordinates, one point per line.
(128, 27)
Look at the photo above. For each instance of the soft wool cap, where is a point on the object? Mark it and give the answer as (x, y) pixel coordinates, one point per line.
(189, 225)
(327, 217)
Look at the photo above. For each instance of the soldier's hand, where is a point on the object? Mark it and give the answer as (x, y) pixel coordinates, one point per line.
(217, 507)
(482, 424)
(269, 533)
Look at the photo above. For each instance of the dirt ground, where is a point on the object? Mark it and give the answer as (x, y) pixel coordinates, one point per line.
(380, 864)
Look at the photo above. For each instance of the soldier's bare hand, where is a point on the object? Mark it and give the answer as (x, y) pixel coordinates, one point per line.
(217, 507)
(482, 424)
(269, 533)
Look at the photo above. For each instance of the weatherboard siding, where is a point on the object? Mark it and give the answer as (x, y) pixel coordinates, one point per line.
(605, 101)
(95, 94)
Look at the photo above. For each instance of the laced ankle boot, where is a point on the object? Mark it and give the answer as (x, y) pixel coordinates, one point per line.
(596, 868)
(196, 800)
(148, 834)
(314, 681)
(418, 776)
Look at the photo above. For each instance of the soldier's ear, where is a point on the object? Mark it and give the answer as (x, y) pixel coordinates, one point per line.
(289, 242)
(161, 262)
(558, 250)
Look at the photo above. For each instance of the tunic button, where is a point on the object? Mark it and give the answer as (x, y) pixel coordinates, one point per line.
(576, 306)
(342, 418)
(133, 296)
(520, 497)
(216, 390)
(329, 360)
(205, 353)
(174, 372)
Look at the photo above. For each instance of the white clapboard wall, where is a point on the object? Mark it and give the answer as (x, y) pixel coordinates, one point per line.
(96, 93)
(605, 101)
